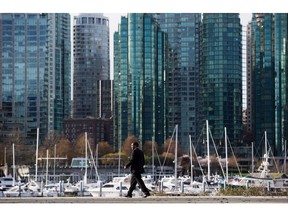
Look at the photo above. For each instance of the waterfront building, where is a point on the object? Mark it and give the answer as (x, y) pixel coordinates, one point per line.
(91, 66)
(35, 74)
(268, 81)
(263, 80)
(221, 75)
(184, 31)
(281, 82)
(140, 58)
(249, 82)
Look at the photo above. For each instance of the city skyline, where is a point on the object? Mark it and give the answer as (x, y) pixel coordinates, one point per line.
(217, 16)
(114, 20)
(22, 6)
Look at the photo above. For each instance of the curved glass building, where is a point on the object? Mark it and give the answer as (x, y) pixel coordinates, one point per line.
(91, 63)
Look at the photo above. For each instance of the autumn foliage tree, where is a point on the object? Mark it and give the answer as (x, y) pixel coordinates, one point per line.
(49, 143)
(170, 145)
(112, 158)
(126, 147)
(104, 148)
(169, 151)
(64, 149)
(79, 148)
(147, 149)
(23, 152)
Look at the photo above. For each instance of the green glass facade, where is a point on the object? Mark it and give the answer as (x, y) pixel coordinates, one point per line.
(269, 81)
(184, 31)
(281, 81)
(221, 75)
(59, 93)
(263, 80)
(140, 52)
(34, 73)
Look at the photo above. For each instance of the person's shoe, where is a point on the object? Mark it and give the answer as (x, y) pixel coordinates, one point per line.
(146, 195)
(128, 196)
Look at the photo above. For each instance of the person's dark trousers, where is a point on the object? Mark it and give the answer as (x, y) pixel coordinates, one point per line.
(136, 178)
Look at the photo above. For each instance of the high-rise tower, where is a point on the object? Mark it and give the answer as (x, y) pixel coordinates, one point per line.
(34, 74)
(281, 81)
(184, 31)
(140, 54)
(221, 75)
(91, 65)
(263, 80)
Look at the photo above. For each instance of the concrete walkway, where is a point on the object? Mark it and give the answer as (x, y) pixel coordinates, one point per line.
(151, 199)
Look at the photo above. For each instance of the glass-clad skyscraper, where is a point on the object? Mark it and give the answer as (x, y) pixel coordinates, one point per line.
(140, 54)
(91, 64)
(184, 31)
(269, 81)
(221, 75)
(35, 80)
(263, 80)
(281, 81)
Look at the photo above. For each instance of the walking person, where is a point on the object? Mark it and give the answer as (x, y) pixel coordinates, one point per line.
(136, 164)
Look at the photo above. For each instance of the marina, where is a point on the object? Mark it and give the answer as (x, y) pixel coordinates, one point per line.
(90, 181)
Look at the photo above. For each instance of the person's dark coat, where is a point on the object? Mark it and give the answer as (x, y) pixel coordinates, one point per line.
(137, 161)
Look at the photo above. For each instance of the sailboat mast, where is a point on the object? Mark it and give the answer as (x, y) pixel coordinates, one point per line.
(266, 157)
(176, 146)
(54, 170)
(226, 154)
(191, 161)
(97, 152)
(97, 155)
(153, 171)
(36, 164)
(47, 165)
(119, 160)
(13, 148)
(5, 156)
(266, 149)
(208, 151)
(285, 157)
(86, 159)
(252, 150)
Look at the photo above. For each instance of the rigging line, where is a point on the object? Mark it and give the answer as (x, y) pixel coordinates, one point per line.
(93, 162)
(202, 133)
(273, 158)
(193, 148)
(257, 148)
(237, 165)
(157, 155)
(218, 158)
(168, 147)
(188, 148)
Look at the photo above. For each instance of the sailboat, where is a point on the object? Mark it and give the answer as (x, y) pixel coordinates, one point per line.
(181, 184)
(262, 178)
(212, 180)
